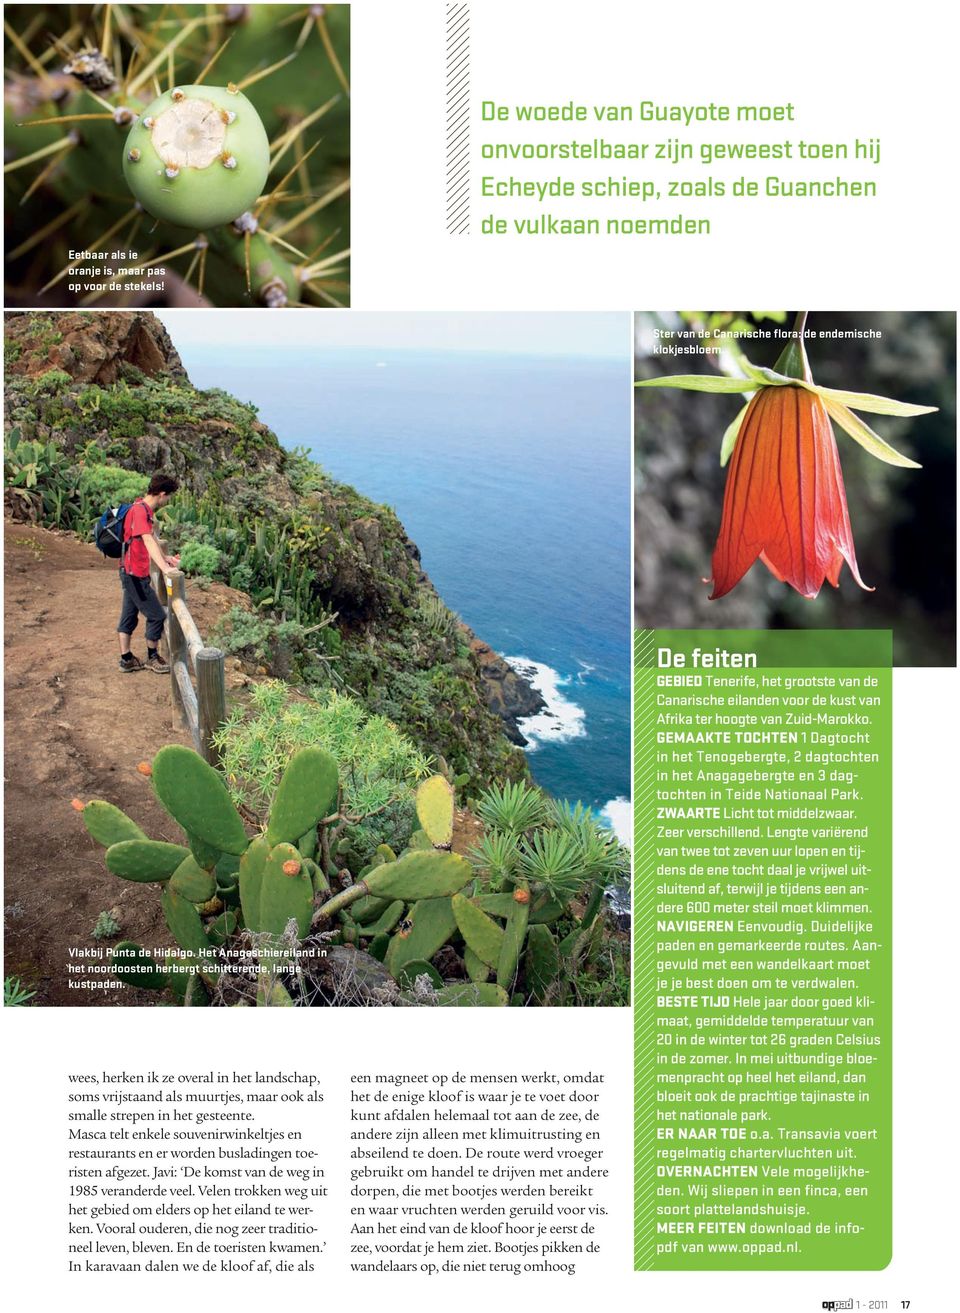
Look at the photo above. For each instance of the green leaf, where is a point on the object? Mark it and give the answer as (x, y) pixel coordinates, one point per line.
(730, 437)
(861, 432)
(701, 383)
(871, 404)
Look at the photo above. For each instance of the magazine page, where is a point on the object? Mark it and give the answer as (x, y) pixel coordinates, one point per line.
(412, 615)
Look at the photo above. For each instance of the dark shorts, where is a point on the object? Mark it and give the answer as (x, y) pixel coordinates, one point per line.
(140, 599)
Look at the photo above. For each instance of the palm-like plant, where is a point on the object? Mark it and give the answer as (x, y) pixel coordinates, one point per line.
(550, 859)
(496, 856)
(512, 808)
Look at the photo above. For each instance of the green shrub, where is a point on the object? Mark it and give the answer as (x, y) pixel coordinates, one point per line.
(378, 765)
(288, 649)
(200, 559)
(106, 485)
(50, 382)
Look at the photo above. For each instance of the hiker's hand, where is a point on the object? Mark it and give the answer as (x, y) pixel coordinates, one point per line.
(173, 562)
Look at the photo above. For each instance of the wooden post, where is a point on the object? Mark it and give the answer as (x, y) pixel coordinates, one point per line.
(211, 699)
(160, 588)
(176, 643)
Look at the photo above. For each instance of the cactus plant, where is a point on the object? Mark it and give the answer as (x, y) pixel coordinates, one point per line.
(307, 792)
(195, 795)
(435, 810)
(145, 860)
(108, 824)
(246, 147)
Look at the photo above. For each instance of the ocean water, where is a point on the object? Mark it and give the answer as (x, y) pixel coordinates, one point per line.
(512, 474)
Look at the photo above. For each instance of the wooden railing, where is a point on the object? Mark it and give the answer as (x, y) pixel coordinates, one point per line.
(202, 710)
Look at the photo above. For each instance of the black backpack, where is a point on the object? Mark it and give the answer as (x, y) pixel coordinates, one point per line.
(108, 530)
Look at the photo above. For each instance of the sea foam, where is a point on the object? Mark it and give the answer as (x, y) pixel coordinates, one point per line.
(618, 816)
(561, 719)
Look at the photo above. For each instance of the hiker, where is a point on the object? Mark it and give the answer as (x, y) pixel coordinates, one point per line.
(139, 548)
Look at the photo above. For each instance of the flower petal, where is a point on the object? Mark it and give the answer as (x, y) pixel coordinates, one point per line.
(784, 501)
(861, 432)
(730, 437)
(873, 405)
(701, 383)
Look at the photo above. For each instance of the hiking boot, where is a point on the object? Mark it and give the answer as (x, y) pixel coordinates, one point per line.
(156, 663)
(131, 665)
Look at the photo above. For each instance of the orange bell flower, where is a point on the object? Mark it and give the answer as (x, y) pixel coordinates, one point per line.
(784, 501)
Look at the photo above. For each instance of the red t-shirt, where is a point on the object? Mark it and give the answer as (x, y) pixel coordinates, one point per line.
(137, 521)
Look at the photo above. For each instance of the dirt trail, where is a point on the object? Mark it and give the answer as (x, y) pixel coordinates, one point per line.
(75, 727)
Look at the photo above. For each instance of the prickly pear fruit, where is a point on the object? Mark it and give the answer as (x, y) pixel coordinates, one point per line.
(134, 966)
(477, 971)
(145, 859)
(435, 810)
(514, 934)
(420, 875)
(185, 925)
(108, 824)
(197, 156)
(541, 962)
(196, 797)
(433, 924)
(306, 793)
(252, 865)
(285, 894)
(480, 932)
(470, 995)
(193, 882)
(411, 971)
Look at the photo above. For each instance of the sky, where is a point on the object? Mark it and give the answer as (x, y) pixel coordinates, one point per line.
(603, 336)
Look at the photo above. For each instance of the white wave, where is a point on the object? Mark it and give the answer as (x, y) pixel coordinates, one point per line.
(618, 815)
(561, 719)
(586, 670)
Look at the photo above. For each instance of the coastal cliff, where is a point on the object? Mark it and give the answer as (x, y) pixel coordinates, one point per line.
(109, 394)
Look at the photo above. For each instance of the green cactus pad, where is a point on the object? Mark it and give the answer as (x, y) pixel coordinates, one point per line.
(196, 797)
(419, 842)
(305, 794)
(185, 924)
(545, 910)
(135, 966)
(470, 995)
(541, 962)
(477, 971)
(204, 854)
(514, 934)
(365, 910)
(185, 985)
(252, 865)
(307, 843)
(410, 971)
(386, 922)
(494, 904)
(383, 854)
(284, 896)
(145, 859)
(435, 810)
(432, 924)
(197, 156)
(108, 824)
(378, 947)
(480, 932)
(420, 875)
(193, 882)
(321, 885)
(220, 930)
